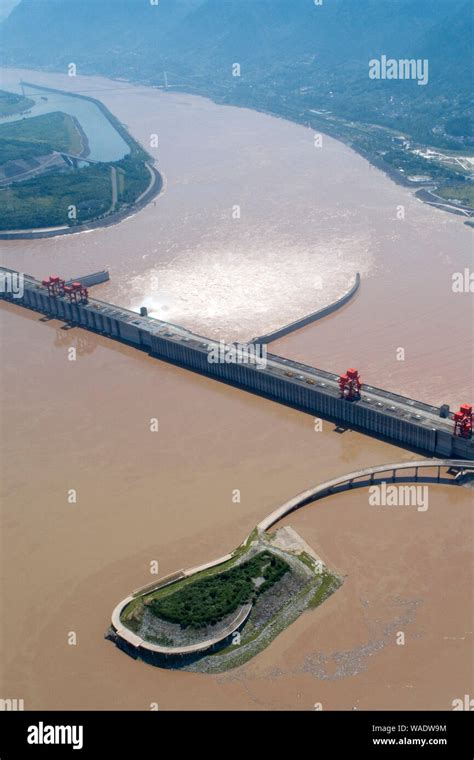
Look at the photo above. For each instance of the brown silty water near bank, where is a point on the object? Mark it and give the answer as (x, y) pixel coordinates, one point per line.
(168, 495)
(310, 218)
(143, 496)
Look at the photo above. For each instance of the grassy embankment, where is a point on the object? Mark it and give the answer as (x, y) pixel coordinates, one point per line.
(10, 103)
(463, 193)
(46, 199)
(39, 136)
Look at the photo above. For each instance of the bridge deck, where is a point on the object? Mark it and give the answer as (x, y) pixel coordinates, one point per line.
(324, 489)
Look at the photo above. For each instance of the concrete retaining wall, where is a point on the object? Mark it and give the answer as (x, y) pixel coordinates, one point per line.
(315, 315)
(134, 645)
(129, 642)
(89, 280)
(138, 647)
(167, 580)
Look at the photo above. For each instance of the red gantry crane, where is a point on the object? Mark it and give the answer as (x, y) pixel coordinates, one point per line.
(350, 385)
(463, 421)
(55, 285)
(76, 292)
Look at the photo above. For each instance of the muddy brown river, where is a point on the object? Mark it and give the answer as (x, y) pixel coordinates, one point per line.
(309, 219)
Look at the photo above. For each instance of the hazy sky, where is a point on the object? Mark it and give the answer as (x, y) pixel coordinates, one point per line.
(6, 6)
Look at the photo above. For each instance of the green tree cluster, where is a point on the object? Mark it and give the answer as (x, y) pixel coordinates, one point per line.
(207, 601)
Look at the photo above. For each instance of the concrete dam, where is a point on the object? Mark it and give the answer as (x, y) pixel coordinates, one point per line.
(375, 411)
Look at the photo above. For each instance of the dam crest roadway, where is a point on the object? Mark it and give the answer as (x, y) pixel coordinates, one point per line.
(374, 411)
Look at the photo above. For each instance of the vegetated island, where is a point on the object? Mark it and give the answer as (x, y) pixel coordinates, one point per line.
(216, 617)
(49, 187)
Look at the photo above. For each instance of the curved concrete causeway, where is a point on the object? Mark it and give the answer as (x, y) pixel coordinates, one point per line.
(364, 478)
(357, 479)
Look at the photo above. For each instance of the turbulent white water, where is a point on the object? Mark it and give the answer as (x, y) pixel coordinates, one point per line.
(257, 227)
(309, 219)
(247, 234)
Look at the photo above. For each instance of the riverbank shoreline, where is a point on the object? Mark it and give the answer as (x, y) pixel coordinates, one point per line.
(419, 192)
(151, 192)
(84, 139)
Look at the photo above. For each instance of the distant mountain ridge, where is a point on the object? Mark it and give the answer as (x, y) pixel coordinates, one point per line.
(315, 55)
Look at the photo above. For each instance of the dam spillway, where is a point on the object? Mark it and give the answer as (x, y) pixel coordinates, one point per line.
(377, 412)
